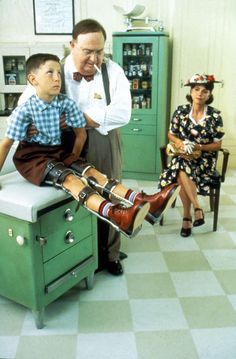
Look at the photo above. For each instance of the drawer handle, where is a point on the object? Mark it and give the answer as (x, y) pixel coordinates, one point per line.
(137, 130)
(135, 119)
(69, 237)
(68, 215)
(42, 241)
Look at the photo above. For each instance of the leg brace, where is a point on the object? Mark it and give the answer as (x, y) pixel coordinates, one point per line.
(109, 187)
(80, 167)
(85, 193)
(56, 172)
(105, 190)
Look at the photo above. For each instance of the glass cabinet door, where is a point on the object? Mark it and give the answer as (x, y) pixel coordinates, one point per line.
(14, 70)
(137, 65)
(139, 56)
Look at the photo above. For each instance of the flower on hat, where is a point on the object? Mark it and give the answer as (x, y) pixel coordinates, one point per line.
(211, 78)
(200, 79)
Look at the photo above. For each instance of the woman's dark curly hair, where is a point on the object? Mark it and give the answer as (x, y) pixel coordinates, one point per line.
(209, 86)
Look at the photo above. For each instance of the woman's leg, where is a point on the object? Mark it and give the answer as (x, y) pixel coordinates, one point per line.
(188, 195)
(187, 218)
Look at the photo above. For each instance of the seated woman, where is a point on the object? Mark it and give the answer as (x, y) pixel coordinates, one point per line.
(194, 126)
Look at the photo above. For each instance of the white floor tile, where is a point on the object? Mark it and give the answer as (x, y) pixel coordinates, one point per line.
(106, 287)
(194, 284)
(146, 262)
(61, 317)
(170, 243)
(106, 346)
(232, 299)
(157, 314)
(8, 347)
(221, 259)
(215, 343)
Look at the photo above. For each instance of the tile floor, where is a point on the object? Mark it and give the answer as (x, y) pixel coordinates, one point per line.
(177, 298)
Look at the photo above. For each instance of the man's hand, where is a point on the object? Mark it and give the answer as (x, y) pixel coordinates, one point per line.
(63, 124)
(32, 130)
(90, 122)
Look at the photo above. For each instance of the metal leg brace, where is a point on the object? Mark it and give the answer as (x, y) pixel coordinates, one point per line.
(107, 190)
(82, 199)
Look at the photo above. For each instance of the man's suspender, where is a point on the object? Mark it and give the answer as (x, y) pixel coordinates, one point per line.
(105, 80)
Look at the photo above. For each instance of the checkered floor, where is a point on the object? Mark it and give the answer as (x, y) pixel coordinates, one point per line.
(177, 298)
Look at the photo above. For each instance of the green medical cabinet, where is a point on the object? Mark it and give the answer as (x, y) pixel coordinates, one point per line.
(144, 56)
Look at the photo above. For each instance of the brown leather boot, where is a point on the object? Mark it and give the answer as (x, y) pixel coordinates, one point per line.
(129, 220)
(159, 202)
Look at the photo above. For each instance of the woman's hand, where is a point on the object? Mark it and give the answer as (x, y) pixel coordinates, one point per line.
(179, 144)
(188, 146)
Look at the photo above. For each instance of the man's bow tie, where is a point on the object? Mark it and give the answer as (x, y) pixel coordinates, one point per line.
(77, 76)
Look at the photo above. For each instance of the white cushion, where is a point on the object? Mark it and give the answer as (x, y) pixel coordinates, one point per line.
(23, 200)
(9, 165)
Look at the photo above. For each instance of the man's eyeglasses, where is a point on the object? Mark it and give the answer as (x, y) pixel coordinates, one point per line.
(88, 53)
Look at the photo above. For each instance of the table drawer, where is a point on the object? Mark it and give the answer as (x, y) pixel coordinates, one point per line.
(57, 234)
(65, 261)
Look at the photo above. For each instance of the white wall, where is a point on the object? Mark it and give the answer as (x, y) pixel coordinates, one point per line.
(202, 33)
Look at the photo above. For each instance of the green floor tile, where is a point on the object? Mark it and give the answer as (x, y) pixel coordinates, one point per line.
(141, 243)
(227, 280)
(165, 345)
(228, 223)
(105, 316)
(185, 261)
(50, 347)
(208, 312)
(150, 285)
(215, 240)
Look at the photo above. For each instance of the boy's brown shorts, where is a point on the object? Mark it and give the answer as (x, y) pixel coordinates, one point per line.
(31, 160)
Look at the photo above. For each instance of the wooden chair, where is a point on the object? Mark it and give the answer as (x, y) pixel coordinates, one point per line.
(215, 181)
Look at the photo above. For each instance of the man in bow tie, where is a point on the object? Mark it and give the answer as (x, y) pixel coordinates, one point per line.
(103, 120)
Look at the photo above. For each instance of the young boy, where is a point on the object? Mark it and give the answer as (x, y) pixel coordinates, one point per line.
(42, 160)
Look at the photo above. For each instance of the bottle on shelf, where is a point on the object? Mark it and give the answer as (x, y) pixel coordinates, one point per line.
(11, 79)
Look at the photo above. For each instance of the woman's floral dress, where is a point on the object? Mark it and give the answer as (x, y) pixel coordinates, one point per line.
(208, 130)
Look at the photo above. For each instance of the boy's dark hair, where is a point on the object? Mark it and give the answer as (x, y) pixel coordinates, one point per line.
(209, 86)
(36, 60)
(86, 26)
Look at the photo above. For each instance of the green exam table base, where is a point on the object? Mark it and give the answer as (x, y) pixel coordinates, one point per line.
(48, 243)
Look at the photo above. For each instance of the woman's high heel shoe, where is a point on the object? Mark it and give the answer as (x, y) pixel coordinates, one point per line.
(186, 232)
(200, 221)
